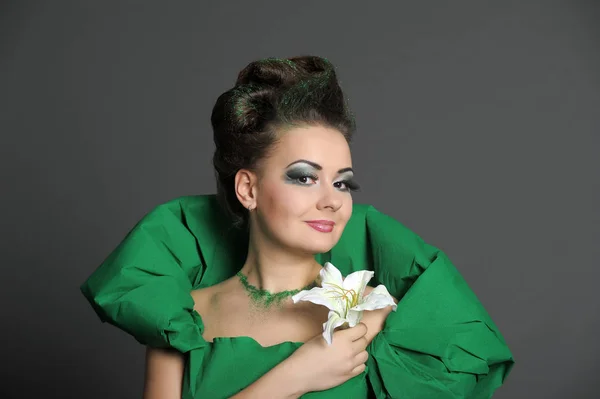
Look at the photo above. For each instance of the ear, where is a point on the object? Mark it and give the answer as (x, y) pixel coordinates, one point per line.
(245, 188)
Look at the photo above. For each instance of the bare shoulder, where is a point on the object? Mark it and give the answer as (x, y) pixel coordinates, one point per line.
(202, 297)
(208, 298)
(219, 306)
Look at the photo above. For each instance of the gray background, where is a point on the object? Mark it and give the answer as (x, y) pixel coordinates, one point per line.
(478, 128)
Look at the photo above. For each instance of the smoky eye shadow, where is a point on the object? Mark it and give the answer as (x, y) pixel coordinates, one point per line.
(345, 176)
(298, 172)
(349, 180)
(352, 185)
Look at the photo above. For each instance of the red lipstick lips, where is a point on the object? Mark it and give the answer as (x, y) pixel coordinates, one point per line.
(324, 226)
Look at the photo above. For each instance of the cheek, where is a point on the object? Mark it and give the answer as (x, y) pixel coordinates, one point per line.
(348, 208)
(282, 203)
(345, 211)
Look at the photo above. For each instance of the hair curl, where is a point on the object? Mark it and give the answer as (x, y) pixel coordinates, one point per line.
(269, 96)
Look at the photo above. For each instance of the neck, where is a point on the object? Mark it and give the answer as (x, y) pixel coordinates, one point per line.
(276, 269)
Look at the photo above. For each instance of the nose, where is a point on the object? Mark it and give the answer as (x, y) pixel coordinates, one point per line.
(330, 199)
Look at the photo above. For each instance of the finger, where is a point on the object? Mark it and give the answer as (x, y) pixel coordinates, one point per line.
(361, 358)
(359, 345)
(360, 330)
(358, 369)
(355, 332)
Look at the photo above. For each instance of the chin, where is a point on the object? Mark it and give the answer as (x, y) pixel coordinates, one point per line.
(318, 246)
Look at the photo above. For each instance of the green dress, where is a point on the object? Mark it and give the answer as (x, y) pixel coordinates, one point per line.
(440, 343)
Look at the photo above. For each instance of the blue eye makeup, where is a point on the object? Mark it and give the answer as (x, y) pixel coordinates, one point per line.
(304, 174)
(348, 185)
(301, 176)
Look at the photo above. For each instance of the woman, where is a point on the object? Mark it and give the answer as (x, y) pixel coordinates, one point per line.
(285, 181)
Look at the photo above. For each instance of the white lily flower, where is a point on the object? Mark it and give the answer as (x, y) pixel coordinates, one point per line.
(345, 298)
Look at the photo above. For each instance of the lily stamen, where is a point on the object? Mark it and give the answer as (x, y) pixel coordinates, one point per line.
(343, 296)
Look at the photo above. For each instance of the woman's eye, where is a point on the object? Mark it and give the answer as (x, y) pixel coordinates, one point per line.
(306, 179)
(347, 185)
(340, 185)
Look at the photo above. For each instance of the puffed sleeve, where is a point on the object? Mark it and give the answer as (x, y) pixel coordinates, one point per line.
(440, 343)
(143, 287)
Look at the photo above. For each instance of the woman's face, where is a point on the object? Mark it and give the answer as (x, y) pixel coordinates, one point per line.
(303, 190)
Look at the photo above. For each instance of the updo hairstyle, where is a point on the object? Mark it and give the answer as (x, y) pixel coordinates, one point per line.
(270, 96)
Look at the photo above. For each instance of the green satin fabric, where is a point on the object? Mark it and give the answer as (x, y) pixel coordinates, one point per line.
(440, 343)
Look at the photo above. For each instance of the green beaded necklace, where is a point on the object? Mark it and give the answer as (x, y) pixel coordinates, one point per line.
(265, 298)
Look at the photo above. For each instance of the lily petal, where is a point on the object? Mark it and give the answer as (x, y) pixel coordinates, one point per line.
(331, 275)
(354, 317)
(377, 299)
(333, 321)
(319, 296)
(358, 280)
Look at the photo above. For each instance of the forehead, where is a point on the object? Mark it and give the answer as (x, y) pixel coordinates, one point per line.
(325, 146)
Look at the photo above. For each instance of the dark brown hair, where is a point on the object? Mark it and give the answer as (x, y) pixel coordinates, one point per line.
(271, 95)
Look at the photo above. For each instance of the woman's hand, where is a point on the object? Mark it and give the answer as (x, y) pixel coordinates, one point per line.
(318, 366)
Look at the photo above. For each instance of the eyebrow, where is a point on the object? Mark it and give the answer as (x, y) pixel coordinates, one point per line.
(319, 167)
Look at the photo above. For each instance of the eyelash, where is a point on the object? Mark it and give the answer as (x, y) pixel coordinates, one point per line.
(350, 184)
